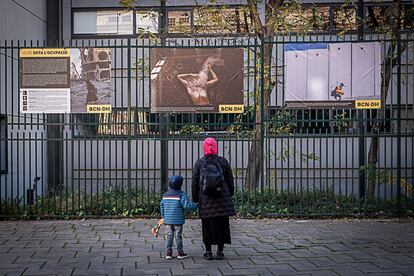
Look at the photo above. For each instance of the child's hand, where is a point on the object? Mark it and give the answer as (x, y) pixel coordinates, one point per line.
(157, 227)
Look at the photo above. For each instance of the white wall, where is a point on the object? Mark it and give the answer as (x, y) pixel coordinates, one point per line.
(96, 165)
(22, 19)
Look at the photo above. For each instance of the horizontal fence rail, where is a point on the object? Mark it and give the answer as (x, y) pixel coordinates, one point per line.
(312, 161)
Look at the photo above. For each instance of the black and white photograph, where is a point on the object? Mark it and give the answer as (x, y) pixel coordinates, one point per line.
(90, 78)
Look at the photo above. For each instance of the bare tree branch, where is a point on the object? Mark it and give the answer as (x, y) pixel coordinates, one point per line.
(254, 14)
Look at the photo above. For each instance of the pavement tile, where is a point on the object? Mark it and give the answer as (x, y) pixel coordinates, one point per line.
(347, 270)
(387, 273)
(361, 255)
(278, 269)
(303, 265)
(282, 256)
(302, 253)
(322, 261)
(246, 251)
(367, 267)
(323, 273)
(241, 263)
(337, 247)
(12, 271)
(247, 271)
(262, 260)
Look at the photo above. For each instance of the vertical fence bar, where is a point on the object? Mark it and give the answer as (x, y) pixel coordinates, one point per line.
(262, 121)
(361, 154)
(399, 125)
(129, 124)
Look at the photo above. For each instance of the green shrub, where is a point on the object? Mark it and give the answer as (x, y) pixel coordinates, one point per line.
(117, 202)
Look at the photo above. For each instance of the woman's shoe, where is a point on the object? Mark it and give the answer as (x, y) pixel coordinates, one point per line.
(208, 255)
(219, 255)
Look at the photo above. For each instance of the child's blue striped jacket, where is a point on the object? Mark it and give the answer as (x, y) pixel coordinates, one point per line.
(173, 204)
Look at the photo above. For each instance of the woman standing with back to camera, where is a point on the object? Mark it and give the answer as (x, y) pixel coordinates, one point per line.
(213, 188)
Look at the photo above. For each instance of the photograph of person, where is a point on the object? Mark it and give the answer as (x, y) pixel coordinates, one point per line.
(197, 84)
(196, 80)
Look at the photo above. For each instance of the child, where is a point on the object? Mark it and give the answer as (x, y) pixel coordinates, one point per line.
(173, 203)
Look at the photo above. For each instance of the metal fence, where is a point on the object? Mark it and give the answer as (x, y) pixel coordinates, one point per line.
(314, 162)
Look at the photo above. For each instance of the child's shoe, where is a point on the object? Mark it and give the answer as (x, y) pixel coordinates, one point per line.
(219, 255)
(208, 255)
(168, 256)
(182, 255)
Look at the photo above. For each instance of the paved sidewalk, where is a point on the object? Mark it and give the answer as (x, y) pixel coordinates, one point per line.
(260, 247)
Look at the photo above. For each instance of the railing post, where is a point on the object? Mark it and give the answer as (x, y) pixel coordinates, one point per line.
(361, 153)
(361, 129)
(129, 123)
(262, 103)
(164, 117)
(399, 124)
(54, 123)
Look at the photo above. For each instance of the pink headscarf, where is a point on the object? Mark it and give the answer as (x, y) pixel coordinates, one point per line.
(210, 146)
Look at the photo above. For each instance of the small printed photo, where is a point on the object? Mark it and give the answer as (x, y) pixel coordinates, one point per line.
(90, 78)
(24, 98)
(24, 92)
(24, 102)
(24, 108)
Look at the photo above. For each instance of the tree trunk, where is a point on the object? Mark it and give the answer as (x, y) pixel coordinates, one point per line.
(377, 127)
(386, 76)
(264, 31)
(255, 161)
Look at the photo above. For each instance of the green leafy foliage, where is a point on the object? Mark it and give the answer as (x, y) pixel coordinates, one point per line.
(112, 202)
(269, 203)
(283, 122)
(323, 202)
(341, 121)
(190, 129)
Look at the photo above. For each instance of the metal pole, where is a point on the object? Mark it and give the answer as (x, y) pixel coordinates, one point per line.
(361, 132)
(262, 103)
(360, 20)
(361, 153)
(164, 117)
(399, 124)
(54, 121)
(129, 123)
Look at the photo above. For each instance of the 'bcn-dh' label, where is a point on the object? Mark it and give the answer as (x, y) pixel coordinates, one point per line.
(367, 104)
(103, 108)
(231, 108)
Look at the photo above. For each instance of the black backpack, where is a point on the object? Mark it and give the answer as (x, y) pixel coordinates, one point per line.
(211, 178)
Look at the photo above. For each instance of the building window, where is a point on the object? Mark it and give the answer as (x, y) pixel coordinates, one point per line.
(3, 144)
(127, 18)
(116, 123)
(179, 21)
(408, 17)
(171, 22)
(112, 19)
(146, 22)
(103, 22)
(208, 20)
(344, 19)
(378, 18)
(317, 18)
(302, 18)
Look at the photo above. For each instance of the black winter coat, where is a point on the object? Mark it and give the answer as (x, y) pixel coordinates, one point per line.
(214, 207)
